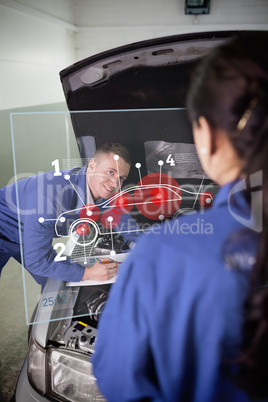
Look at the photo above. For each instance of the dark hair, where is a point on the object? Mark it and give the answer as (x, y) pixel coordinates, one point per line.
(114, 148)
(230, 89)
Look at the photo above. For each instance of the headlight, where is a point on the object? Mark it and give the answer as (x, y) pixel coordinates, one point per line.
(36, 367)
(70, 377)
(64, 375)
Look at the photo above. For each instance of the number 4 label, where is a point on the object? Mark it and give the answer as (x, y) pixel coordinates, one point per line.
(170, 160)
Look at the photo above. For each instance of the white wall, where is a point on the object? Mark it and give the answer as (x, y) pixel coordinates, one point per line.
(33, 49)
(61, 10)
(39, 38)
(104, 24)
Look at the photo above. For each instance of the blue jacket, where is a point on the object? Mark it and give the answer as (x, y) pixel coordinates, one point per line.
(43, 196)
(174, 316)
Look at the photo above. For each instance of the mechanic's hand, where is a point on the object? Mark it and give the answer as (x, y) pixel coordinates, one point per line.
(102, 270)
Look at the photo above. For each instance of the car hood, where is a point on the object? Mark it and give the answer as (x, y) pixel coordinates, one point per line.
(135, 94)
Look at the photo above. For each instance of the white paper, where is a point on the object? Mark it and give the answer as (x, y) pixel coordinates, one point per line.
(92, 260)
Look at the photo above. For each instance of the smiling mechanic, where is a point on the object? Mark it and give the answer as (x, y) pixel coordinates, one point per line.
(43, 198)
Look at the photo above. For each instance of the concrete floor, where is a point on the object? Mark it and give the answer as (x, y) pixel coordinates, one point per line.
(14, 331)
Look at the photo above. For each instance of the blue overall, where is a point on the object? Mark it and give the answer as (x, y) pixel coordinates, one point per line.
(44, 196)
(175, 314)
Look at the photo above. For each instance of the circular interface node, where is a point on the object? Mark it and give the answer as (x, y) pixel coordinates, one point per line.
(206, 200)
(159, 195)
(90, 211)
(84, 231)
(106, 219)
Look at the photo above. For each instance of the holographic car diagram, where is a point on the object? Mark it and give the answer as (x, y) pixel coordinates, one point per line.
(156, 196)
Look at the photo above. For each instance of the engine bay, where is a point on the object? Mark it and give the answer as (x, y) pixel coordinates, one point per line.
(79, 332)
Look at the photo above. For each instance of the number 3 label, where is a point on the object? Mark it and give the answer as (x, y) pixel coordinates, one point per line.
(59, 255)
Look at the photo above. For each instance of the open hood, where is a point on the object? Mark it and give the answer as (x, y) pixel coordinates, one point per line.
(135, 95)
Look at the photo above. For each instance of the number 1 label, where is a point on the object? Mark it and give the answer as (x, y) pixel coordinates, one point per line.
(57, 167)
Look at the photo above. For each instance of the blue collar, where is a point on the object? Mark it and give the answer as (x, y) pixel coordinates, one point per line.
(233, 193)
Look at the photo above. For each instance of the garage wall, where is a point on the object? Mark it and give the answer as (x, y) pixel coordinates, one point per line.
(39, 38)
(34, 46)
(41, 134)
(33, 51)
(104, 24)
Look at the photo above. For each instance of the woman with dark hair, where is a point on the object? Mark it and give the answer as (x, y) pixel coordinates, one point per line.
(175, 327)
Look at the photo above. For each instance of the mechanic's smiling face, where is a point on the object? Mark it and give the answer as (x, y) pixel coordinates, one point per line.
(104, 174)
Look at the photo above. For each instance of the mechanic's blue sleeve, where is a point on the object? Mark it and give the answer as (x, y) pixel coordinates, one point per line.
(39, 254)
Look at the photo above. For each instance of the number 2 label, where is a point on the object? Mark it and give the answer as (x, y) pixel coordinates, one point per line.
(59, 255)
